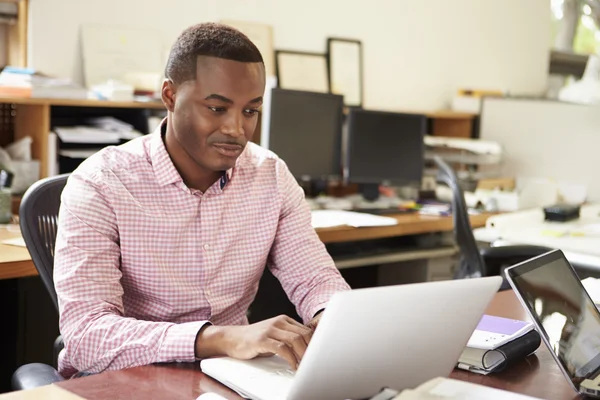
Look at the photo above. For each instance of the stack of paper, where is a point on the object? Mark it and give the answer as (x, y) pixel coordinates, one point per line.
(86, 134)
(24, 82)
(110, 124)
(331, 218)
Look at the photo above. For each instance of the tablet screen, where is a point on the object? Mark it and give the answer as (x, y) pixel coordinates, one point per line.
(564, 312)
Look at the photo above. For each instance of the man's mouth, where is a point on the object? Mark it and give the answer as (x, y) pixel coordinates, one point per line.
(228, 149)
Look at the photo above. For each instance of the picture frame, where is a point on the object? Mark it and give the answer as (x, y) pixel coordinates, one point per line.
(262, 36)
(297, 70)
(345, 64)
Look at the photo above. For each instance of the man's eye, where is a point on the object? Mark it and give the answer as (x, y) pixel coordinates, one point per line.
(251, 112)
(217, 109)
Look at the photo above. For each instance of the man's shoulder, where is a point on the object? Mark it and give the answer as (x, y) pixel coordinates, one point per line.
(132, 157)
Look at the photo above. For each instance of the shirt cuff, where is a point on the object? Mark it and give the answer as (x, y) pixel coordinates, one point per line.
(179, 343)
(315, 310)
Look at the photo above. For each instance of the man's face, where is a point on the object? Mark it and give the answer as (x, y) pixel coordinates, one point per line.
(215, 115)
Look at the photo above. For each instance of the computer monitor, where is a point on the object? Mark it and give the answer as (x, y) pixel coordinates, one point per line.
(305, 130)
(385, 147)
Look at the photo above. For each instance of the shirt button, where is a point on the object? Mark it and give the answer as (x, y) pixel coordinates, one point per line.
(206, 246)
(208, 293)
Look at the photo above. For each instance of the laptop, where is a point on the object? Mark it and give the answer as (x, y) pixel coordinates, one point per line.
(369, 339)
(564, 315)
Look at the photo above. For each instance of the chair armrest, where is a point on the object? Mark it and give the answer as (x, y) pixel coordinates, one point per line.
(30, 376)
(496, 259)
(512, 252)
(58, 346)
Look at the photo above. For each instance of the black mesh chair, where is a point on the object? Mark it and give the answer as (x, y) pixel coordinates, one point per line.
(38, 216)
(475, 262)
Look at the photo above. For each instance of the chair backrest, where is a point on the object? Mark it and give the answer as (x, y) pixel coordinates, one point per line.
(472, 264)
(38, 216)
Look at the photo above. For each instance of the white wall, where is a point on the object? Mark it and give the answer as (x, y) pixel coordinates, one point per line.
(546, 139)
(416, 52)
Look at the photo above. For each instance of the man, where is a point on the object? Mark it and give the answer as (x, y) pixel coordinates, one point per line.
(162, 241)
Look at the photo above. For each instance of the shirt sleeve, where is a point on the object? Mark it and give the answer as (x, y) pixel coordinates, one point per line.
(87, 275)
(298, 258)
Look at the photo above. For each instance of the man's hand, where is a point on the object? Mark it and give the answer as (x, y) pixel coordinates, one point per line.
(280, 335)
(314, 322)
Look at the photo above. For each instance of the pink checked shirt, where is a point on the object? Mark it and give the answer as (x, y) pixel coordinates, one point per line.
(142, 262)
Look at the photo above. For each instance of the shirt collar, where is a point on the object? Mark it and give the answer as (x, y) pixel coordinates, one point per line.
(164, 169)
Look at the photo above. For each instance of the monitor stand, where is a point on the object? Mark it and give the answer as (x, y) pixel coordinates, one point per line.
(314, 187)
(369, 191)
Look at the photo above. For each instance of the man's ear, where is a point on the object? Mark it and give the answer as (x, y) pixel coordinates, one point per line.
(168, 94)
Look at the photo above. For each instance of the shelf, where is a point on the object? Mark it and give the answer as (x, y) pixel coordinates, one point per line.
(449, 114)
(154, 105)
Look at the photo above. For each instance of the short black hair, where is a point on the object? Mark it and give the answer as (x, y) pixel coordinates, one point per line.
(208, 39)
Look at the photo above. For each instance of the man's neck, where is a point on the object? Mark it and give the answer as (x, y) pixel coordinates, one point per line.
(193, 175)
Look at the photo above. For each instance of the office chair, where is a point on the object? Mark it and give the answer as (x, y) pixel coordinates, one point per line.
(38, 215)
(475, 262)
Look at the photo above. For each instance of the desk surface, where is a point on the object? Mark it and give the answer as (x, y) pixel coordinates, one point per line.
(408, 224)
(15, 262)
(537, 376)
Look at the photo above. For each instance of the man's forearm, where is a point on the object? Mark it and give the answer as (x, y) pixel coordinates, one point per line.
(211, 342)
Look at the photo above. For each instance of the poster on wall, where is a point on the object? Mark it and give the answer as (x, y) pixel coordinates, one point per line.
(345, 69)
(130, 55)
(298, 70)
(262, 36)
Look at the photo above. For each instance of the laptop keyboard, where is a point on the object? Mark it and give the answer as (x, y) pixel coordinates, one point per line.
(266, 378)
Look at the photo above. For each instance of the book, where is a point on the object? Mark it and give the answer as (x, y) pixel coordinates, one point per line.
(497, 342)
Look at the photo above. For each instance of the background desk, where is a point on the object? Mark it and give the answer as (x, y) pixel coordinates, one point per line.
(538, 375)
(15, 262)
(579, 239)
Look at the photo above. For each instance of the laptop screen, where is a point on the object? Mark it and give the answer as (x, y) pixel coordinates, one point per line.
(565, 314)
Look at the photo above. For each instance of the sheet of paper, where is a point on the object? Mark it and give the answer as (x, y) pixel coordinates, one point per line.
(18, 241)
(455, 389)
(48, 392)
(331, 218)
(592, 286)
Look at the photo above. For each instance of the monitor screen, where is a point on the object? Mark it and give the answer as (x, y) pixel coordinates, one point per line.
(563, 311)
(385, 147)
(305, 130)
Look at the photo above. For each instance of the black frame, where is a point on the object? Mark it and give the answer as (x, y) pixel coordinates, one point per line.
(330, 41)
(300, 53)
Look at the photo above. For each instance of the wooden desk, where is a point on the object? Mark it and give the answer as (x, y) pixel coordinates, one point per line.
(408, 224)
(537, 376)
(15, 262)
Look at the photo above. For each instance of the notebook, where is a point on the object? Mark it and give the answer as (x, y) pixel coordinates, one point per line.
(493, 332)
